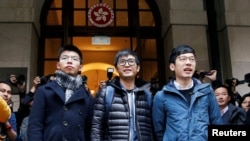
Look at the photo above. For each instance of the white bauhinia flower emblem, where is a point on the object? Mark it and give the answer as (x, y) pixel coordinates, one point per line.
(101, 15)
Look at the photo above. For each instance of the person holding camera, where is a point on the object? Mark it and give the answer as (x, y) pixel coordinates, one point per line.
(236, 97)
(184, 108)
(62, 109)
(22, 114)
(231, 83)
(23, 111)
(202, 75)
(122, 110)
(19, 86)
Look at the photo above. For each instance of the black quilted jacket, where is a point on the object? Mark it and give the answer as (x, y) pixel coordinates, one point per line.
(116, 126)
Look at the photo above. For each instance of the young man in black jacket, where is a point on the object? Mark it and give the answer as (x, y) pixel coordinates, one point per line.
(128, 115)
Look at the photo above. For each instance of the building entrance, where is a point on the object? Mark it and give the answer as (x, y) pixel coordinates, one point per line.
(101, 28)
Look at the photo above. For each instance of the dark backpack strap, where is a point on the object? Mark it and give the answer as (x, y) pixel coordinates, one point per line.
(108, 99)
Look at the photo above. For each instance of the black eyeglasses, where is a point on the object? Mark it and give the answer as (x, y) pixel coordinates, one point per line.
(123, 62)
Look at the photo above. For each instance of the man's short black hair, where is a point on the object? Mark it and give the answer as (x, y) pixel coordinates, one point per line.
(126, 52)
(220, 85)
(178, 50)
(244, 97)
(7, 83)
(70, 48)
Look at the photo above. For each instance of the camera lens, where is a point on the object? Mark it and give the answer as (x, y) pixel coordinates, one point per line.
(20, 79)
(202, 74)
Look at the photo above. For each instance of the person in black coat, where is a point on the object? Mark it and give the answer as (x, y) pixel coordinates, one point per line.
(245, 105)
(231, 114)
(248, 118)
(62, 109)
(127, 115)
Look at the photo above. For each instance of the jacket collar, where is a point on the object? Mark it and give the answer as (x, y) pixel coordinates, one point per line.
(78, 94)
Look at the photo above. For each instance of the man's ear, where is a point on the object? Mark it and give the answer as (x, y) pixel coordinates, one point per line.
(58, 66)
(138, 68)
(172, 67)
(80, 68)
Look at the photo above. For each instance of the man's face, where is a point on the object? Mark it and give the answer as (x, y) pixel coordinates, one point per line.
(246, 103)
(13, 78)
(184, 66)
(69, 62)
(222, 96)
(127, 67)
(5, 92)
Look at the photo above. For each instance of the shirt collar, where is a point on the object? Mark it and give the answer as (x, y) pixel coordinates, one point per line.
(179, 87)
(225, 109)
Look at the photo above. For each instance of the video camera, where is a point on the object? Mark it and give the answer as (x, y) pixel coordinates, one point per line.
(204, 73)
(110, 73)
(20, 79)
(247, 78)
(239, 82)
(84, 79)
(201, 74)
(45, 79)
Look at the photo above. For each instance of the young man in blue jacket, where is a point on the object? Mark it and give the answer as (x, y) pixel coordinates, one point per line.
(184, 107)
(62, 108)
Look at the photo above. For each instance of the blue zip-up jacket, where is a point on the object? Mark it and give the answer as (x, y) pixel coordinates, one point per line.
(175, 120)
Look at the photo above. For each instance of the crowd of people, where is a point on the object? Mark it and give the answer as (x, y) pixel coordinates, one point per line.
(124, 108)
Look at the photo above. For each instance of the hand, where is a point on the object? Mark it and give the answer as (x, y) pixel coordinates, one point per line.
(212, 75)
(13, 78)
(102, 84)
(21, 87)
(36, 81)
(7, 125)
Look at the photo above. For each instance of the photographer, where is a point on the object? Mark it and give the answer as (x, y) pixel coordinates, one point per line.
(85, 84)
(19, 84)
(13, 80)
(104, 83)
(26, 103)
(236, 97)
